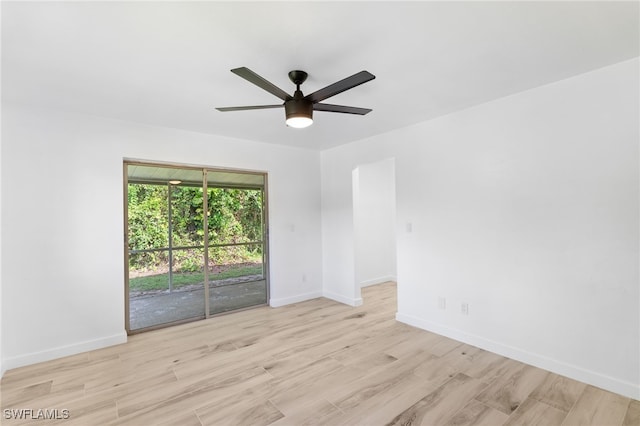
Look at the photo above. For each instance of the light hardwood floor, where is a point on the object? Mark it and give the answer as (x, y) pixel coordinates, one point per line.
(315, 362)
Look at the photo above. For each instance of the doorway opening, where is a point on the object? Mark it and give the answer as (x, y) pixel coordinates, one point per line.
(195, 243)
(374, 218)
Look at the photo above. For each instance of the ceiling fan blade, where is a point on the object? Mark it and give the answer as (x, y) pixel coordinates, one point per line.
(341, 108)
(340, 86)
(254, 78)
(246, 108)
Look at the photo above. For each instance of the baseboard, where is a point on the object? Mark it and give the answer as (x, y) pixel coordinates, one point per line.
(275, 303)
(342, 299)
(628, 389)
(62, 351)
(378, 280)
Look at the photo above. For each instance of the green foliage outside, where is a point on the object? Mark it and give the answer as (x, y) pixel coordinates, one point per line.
(232, 216)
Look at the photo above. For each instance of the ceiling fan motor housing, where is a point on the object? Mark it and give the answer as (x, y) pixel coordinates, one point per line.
(298, 106)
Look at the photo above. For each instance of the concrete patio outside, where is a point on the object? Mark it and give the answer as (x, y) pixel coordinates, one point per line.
(160, 308)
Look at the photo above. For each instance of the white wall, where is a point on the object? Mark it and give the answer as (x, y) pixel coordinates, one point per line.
(62, 223)
(374, 214)
(527, 209)
(2, 367)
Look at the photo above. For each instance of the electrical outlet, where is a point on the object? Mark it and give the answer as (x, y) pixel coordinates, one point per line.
(464, 308)
(442, 303)
(304, 278)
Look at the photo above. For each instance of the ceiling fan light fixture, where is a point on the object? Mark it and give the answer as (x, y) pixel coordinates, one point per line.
(299, 113)
(299, 122)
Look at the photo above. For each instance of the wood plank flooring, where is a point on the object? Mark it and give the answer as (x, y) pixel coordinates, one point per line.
(312, 363)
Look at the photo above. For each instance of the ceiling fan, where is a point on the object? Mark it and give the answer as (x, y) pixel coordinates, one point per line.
(299, 108)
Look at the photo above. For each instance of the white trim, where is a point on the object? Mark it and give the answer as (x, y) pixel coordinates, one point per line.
(342, 299)
(378, 280)
(612, 384)
(62, 351)
(276, 303)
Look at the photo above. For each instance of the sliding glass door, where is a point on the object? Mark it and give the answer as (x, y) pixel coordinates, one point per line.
(187, 227)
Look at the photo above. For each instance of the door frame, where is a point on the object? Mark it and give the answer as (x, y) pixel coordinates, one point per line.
(205, 171)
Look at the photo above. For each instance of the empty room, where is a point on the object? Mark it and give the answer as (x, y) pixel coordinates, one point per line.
(320, 213)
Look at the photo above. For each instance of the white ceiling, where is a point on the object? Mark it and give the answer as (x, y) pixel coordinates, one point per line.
(167, 64)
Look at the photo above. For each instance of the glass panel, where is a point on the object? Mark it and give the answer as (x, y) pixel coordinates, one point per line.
(165, 229)
(153, 301)
(148, 217)
(188, 270)
(236, 277)
(148, 272)
(186, 217)
(236, 249)
(240, 263)
(139, 173)
(235, 215)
